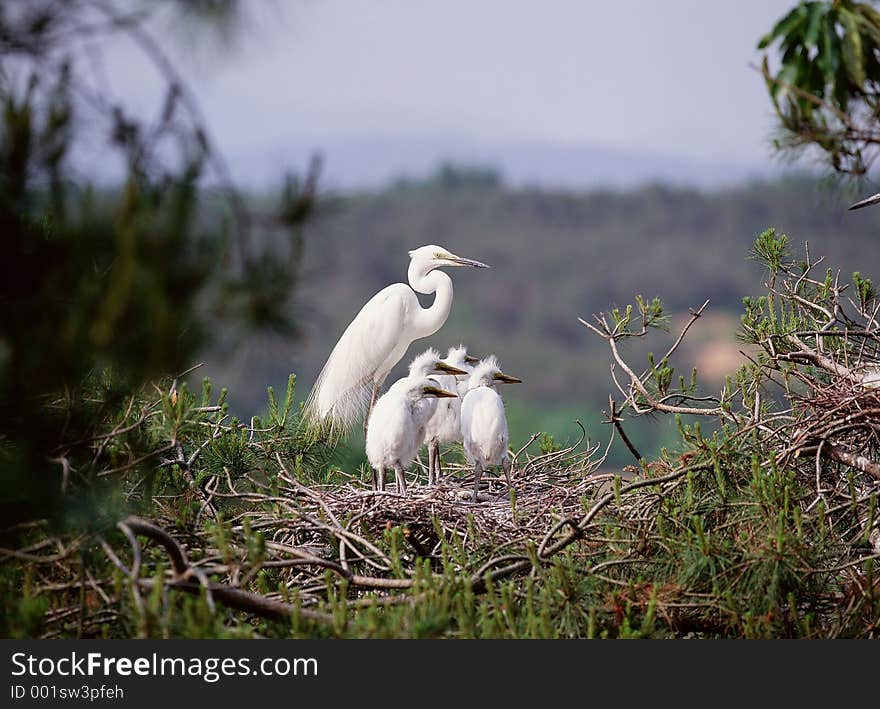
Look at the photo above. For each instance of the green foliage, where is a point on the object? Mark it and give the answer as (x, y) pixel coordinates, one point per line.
(826, 46)
(769, 248)
(864, 290)
(126, 283)
(229, 453)
(548, 444)
(724, 534)
(825, 90)
(24, 614)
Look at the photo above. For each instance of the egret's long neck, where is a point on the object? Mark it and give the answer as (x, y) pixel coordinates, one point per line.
(428, 320)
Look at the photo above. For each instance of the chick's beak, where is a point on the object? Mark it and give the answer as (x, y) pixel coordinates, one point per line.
(448, 368)
(506, 378)
(439, 393)
(470, 359)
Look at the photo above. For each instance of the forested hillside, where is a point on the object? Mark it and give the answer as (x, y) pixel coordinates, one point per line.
(556, 257)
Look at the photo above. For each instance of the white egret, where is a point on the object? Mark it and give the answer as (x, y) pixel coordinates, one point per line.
(483, 423)
(426, 364)
(396, 428)
(444, 426)
(379, 336)
(429, 362)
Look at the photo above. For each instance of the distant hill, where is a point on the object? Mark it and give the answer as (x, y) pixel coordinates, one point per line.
(370, 163)
(555, 256)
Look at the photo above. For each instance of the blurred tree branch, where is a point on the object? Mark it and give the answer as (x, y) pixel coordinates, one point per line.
(106, 287)
(826, 87)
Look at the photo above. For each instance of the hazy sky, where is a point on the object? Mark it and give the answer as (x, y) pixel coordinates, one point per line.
(667, 76)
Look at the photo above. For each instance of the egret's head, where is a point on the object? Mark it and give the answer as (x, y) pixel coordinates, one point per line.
(429, 362)
(488, 373)
(437, 257)
(459, 357)
(427, 388)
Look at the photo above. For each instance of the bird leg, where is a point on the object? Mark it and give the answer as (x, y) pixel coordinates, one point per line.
(401, 479)
(432, 456)
(437, 471)
(379, 479)
(478, 472)
(505, 465)
(373, 398)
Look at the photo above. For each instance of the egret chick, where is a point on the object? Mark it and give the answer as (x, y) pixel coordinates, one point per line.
(397, 425)
(444, 426)
(483, 423)
(377, 339)
(429, 362)
(426, 364)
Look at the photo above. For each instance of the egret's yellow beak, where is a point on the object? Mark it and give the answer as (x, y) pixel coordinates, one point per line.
(448, 368)
(506, 378)
(459, 261)
(438, 393)
(874, 199)
(470, 359)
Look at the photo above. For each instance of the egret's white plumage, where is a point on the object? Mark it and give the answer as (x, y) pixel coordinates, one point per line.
(483, 422)
(444, 426)
(397, 424)
(429, 363)
(379, 336)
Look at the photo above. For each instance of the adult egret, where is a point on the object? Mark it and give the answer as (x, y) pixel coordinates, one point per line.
(444, 426)
(396, 428)
(483, 423)
(379, 336)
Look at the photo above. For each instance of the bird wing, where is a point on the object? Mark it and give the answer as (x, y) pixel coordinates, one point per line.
(342, 391)
(445, 423)
(484, 426)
